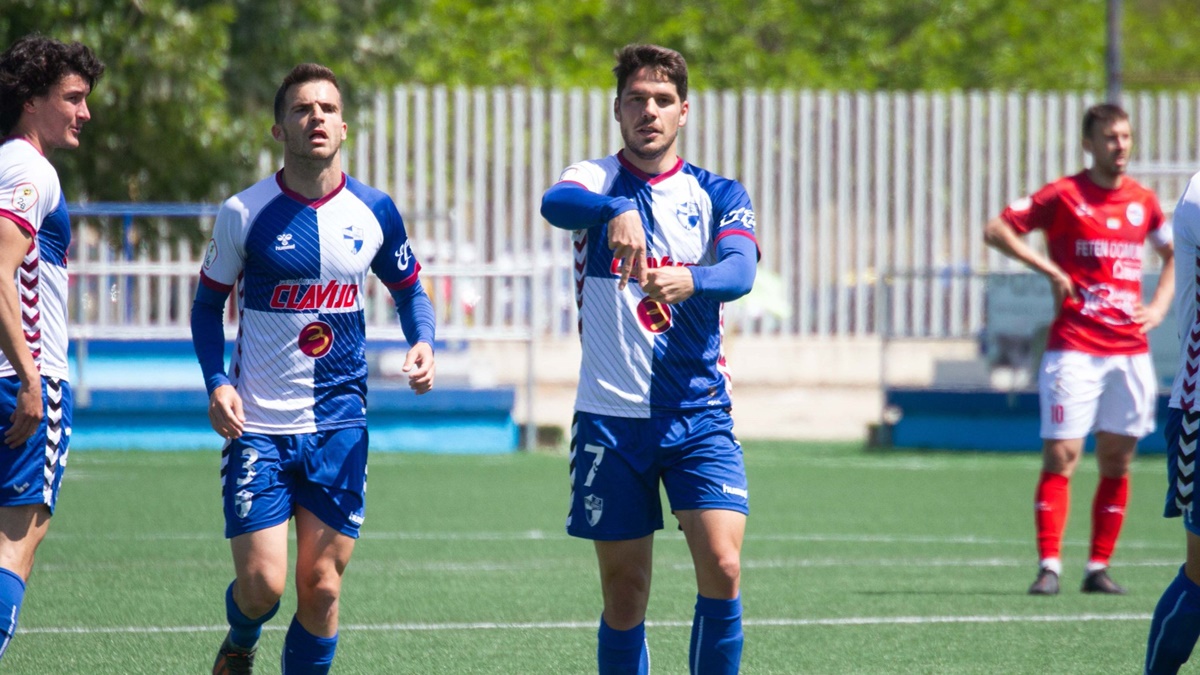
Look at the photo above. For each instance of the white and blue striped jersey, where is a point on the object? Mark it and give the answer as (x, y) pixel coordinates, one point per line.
(1186, 227)
(642, 357)
(300, 269)
(31, 197)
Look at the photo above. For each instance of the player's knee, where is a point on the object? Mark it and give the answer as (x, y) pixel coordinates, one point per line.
(258, 592)
(727, 569)
(319, 589)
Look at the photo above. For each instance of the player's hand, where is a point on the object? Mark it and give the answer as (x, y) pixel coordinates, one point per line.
(1149, 317)
(418, 364)
(27, 416)
(627, 240)
(1063, 288)
(225, 412)
(669, 284)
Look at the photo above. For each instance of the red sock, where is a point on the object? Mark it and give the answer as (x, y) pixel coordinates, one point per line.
(1050, 505)
(1108, 514)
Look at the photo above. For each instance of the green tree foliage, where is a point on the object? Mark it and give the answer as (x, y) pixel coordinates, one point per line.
(184, 110)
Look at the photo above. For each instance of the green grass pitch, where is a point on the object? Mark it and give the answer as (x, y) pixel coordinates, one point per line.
(854, 562)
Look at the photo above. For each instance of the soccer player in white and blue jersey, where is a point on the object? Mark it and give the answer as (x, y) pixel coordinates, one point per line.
(44, 85)
(653, 399)
(297, 247)
(1176, 622)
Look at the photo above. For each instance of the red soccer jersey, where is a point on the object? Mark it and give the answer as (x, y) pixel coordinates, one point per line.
(1096, 236)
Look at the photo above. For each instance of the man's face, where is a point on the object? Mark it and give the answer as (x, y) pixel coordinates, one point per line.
(1110, 145)
(312, 126)
(650, 114)
(59, 116)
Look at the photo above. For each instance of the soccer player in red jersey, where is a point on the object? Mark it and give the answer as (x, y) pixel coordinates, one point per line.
(1096, 374)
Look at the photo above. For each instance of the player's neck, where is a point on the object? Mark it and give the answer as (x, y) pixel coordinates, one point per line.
(312, 180)
(1105, 179)
(30, 136)
(661, 164)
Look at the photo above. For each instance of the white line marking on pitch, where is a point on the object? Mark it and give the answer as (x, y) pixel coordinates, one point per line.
(580, 625)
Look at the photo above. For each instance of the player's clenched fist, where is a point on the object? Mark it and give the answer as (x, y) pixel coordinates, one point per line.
(418, 365)
(627, 239)
(225, 412)
(669, 284)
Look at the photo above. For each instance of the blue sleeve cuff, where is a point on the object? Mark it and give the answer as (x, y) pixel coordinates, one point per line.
(572, 207)
(415, 311)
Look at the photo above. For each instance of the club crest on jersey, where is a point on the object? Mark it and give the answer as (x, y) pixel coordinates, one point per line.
(210, 256)
(689, 214)
(595, 508)
(743, 216)
(285, 242)
(353, 235)
(654, 315)
(1135, 213)
(316, 339)
(24, 197)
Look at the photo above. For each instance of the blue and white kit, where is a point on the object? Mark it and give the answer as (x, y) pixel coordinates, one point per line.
(647, 360)
(31, 196)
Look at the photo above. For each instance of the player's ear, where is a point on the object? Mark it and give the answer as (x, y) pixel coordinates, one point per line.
(277, 132)
(683, 112)
(617, 109)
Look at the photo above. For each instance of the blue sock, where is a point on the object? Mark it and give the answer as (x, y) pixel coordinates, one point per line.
(12, 591)
(305, 653)
(716, 647)
(244, 631)
(622, 652)
(1175, 626)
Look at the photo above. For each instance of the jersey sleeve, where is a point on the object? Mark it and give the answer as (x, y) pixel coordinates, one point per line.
(226, 254)
(394, 263)
(577, 201)
(1033, 212)
(28, 194)
(733, 214)
(1158, 228)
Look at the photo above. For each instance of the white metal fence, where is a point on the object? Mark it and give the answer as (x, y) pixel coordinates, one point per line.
(870, 205)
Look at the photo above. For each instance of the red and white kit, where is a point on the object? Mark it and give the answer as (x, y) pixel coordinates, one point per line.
(1097, 364)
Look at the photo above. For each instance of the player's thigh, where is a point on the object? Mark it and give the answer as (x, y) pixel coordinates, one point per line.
(261, 557)
(321, 549)
(256, 492)
(22, 529)
(703, 466)
(331, 480)
(32, 473)
(614, 479)
(1069, 388)
(625, 571)
(1128, 403)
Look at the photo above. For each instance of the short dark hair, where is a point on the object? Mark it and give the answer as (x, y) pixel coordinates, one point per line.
(33, 65)
(1102, 113)
(665, 62)
(305, 72)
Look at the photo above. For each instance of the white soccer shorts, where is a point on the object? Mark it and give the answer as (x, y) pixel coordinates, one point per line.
(1080, 393)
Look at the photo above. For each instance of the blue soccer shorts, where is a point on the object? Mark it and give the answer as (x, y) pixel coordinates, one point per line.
(264, 477)
(617, 463)
(1181, 431)
(32, 474)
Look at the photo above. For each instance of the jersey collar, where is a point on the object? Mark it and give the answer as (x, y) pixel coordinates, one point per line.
(314, 203)
(649, 178)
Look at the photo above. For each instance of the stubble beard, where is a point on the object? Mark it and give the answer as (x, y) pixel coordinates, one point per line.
(643, 152)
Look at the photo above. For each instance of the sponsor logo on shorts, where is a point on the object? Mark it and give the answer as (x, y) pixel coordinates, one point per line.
(740, 492)
(21, 488)
(594, 507)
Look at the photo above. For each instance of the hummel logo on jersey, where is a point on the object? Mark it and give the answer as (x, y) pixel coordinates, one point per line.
(403, 257)
(285, 242)
(21, 488)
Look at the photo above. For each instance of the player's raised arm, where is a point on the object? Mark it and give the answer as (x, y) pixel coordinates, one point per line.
(570, 205)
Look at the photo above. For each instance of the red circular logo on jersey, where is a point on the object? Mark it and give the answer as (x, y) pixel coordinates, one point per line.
(316, 339)
(654, 315)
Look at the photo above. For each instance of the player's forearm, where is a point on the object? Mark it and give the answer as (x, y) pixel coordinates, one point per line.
(572, 207)
(208, 337)
(733, 274)
(415, 311)
(1000, 236)
(1164, 292)
(12, 335)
